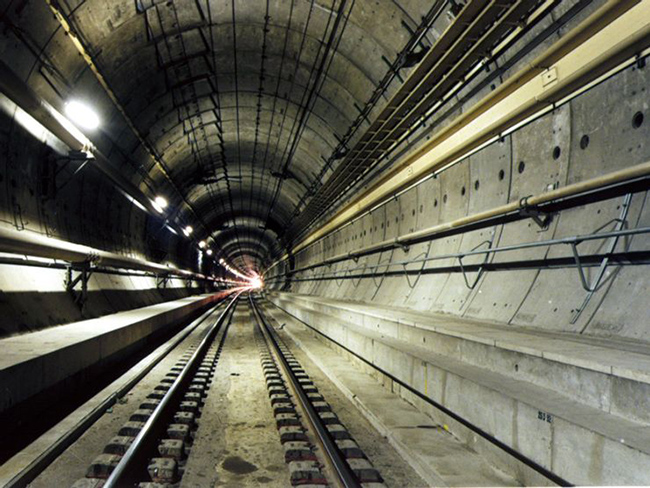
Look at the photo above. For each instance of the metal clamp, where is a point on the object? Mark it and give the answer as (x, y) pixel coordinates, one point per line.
(542, 219)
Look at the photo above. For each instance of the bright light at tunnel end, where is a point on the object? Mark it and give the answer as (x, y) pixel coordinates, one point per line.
(253, 282)
(256, 283)
(82, 115)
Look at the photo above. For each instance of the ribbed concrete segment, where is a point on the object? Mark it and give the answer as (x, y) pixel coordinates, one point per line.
(439, 205)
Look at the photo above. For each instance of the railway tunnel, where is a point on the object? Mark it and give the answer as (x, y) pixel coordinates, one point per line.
(324, 242)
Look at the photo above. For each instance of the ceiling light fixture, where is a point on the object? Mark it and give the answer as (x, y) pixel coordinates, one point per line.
(202, 244)
(188, 230)
(159, 203)
(82, 115)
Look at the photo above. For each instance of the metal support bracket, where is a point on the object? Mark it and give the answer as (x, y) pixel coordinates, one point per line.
(404, 247)
(481, 268)
(356, 285)
(77, 285)
(417, 278)
(78, 156)
(345, 273)
(542, 219)
(162, 280)
(598, 281)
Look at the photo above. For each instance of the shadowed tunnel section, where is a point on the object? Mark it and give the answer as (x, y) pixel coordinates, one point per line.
(229, 110)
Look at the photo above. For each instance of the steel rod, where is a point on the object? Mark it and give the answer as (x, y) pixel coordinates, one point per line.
(514, 247)
(600, 183)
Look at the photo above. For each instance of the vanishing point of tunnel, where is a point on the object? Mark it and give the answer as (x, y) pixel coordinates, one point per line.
(310, 243)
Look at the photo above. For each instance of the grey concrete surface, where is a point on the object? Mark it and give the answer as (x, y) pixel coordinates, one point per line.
(37, 299)
(221, 108)
(432, 451)
(237, 443)
(511, 403)
(32, 363)
(393, 464)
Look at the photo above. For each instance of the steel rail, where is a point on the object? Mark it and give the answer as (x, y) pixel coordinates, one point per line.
(40, 463)
(346, 476)
(135, 456)
(476, 429)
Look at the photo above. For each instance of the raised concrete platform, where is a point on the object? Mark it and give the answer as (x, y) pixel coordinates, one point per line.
(576, 405)
(34, 363)
(438, 457)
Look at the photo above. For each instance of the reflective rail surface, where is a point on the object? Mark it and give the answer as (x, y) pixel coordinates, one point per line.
(134, 463)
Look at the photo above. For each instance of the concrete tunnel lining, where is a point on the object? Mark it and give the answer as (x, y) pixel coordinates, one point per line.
(485, 271)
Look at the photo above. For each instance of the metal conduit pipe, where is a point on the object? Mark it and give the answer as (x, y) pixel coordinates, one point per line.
(430, 233)
(610, 36)
(23, 96)
(21, 242)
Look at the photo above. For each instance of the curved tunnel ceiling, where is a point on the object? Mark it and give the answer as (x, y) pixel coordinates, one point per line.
(243, 102)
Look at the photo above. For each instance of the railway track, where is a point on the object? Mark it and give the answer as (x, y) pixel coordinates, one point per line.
(264, 420)
(152, 447)
(148, 441)
(319, 449)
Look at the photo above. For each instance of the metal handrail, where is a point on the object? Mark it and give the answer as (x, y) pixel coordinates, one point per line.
(32, 244)
(572, 241)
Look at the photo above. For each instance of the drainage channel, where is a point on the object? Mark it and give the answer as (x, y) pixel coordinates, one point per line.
(337, 460)
(151, 449)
